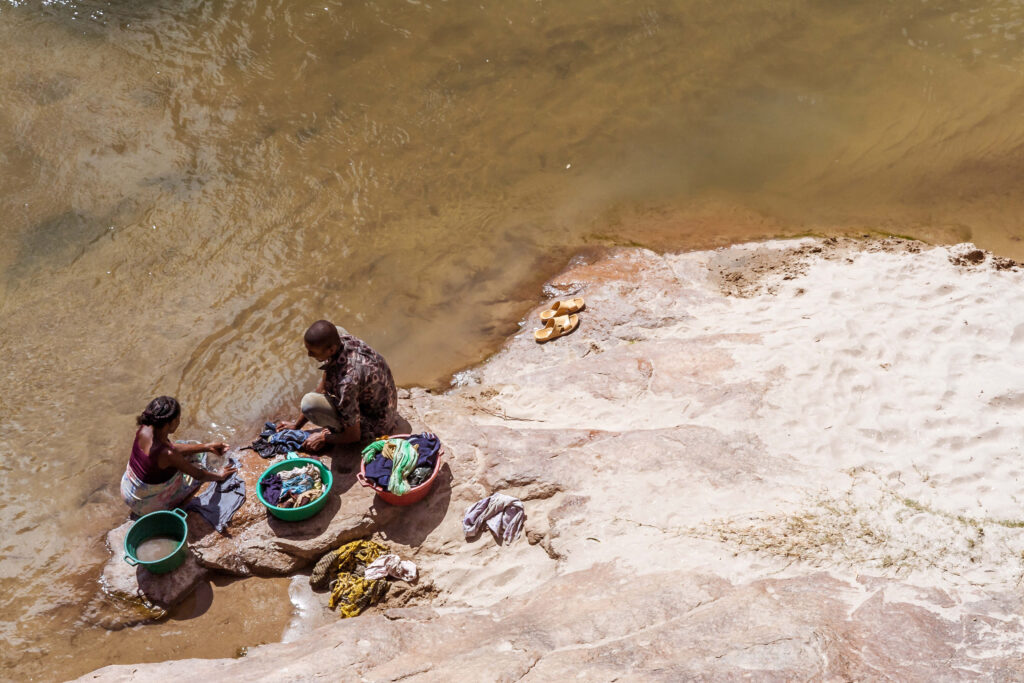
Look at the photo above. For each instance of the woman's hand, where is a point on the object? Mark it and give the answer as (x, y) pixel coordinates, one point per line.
(218, 447)
(224, 473)
(287, 424)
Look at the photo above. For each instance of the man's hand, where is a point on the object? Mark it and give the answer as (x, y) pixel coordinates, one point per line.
(287, 424)
(315, 441)
(218, 447)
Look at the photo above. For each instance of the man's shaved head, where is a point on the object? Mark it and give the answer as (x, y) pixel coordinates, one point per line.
(321, 335)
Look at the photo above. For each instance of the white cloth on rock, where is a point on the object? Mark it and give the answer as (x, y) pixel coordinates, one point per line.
(390, 565)
(502, 514)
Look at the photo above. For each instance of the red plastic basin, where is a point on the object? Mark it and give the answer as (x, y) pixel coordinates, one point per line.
(416, 493)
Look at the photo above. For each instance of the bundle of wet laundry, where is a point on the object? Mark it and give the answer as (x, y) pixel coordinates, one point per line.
(400, 464)
(272, 442)
(293, 488)
(356, 574)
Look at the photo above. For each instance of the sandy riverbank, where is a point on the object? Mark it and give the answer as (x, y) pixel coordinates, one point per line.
(790, 459)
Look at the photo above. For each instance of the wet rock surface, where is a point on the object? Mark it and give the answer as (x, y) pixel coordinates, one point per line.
(702, 500)
(665, 626)
(258, 543)
(132, 595)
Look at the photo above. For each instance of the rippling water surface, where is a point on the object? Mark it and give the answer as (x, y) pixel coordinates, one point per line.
(185, 185)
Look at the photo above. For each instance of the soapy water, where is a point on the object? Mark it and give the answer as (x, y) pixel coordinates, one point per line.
(156, 548)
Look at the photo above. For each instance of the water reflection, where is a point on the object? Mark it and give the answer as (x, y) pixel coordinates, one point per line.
(188, 184)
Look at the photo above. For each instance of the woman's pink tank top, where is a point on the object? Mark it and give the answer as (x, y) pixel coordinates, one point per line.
(145, 467)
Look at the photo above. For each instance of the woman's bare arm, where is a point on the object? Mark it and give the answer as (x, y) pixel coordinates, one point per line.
(177, 457)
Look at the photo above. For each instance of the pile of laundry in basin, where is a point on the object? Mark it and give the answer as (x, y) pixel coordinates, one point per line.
(400, 464)
(293, 488)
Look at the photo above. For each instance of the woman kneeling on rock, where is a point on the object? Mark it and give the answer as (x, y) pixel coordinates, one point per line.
(161, 474)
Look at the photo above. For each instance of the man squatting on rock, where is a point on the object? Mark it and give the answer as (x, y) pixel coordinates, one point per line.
(356, 398)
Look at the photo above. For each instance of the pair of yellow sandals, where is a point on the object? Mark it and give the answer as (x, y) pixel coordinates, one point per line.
(559, 320)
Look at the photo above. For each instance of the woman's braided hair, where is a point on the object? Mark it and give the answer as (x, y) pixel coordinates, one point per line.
(160, 411)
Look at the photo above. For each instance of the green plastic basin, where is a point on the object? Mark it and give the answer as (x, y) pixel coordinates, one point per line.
(306, 511)
(160, 523)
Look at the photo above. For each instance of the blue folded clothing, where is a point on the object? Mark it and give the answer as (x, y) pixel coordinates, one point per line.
(378, 471)
(427, 447)
(272, 489)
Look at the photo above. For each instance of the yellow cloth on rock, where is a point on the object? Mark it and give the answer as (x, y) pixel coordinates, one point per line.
(350, 592)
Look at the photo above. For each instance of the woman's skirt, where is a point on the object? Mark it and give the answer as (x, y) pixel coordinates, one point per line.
(142, 498)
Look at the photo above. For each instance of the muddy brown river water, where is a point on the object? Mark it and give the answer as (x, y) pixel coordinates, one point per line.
(184, 186)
